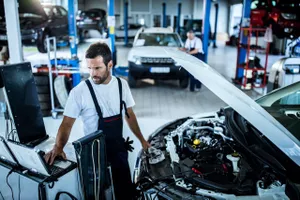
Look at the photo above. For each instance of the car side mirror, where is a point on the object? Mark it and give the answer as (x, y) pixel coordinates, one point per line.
(139, 42)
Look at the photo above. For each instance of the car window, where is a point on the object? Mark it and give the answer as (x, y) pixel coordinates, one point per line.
(160, 39)
(291, 99)
(63, 11)
(56, 12)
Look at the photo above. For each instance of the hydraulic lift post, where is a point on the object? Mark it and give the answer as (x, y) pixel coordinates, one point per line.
(72, 6)
(126, 23)
(178, 17)
(206, 13)
(111, 22)
(245, 22)
(216, 24)
(13, 31)
(164, 15)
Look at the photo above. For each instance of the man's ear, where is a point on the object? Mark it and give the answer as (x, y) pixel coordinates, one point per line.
(110, 64)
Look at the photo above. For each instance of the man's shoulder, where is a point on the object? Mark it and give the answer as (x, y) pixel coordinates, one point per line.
(80, 87)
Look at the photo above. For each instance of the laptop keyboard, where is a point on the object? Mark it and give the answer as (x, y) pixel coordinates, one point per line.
(54, 169)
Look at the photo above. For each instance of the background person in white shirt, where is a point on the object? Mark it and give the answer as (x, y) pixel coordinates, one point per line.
(102, 101)
(193, 45)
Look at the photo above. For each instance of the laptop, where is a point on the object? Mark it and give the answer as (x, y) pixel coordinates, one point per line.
(34, 161)
(6, 155)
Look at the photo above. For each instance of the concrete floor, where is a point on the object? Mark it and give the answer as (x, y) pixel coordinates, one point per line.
(156, 102)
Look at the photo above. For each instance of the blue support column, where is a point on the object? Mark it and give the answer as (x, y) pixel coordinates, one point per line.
(72, 7)
(178, 18)
(216, 25)
(244, 38)
(164, 16)
(205, 39)
(111, 26)
(126, 23)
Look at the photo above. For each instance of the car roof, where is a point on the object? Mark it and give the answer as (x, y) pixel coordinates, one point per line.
(158, 30)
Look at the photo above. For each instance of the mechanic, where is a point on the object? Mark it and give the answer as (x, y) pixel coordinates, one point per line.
(193, 45)
(101, 101)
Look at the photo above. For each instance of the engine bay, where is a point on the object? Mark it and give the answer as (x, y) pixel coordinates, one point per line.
(201, 154)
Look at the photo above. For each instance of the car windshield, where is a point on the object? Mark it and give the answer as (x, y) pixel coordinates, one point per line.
(284, 106)
(160, 39)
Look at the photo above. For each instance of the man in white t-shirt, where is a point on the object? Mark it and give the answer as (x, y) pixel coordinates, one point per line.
(102, 101)
(193, 45)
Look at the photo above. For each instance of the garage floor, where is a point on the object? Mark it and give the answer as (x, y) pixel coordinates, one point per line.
(156, 102)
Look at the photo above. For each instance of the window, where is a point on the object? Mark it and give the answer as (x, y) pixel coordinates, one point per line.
(63, 11)
(160, 39)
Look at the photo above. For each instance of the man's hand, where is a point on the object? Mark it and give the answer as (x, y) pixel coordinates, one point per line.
(128, 144)
(145, 145)
(55, 152)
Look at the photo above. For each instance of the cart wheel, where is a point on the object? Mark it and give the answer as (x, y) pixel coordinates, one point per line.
(54, 115)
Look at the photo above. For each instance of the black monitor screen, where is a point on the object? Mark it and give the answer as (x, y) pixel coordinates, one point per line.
(22, 95)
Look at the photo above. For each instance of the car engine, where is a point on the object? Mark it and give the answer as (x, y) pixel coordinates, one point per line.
(200, 153)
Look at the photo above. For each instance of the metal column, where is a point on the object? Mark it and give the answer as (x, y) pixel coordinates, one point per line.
(126, 23)
(164, 15)
(13, 31)
(244, 38)
(216, 25)
(178, 18)
(205, 39)
(111, 22)
(72, 8)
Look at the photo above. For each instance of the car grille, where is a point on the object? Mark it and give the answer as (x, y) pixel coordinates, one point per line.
(157, 60)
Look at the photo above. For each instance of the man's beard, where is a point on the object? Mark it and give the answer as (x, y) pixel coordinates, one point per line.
(99, 80)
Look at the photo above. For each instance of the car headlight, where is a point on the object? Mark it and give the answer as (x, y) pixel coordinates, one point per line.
(288, 16)
(137, 60)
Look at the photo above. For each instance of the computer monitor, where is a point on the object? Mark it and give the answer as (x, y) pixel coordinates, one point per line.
(21, 94)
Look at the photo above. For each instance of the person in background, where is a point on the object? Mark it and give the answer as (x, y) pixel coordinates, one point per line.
(193, 45)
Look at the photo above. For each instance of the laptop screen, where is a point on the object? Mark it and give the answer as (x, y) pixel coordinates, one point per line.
(5, 153)
(28, 158)
(22, 95)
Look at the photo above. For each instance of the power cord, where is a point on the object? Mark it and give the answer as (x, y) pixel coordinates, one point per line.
(12, 193)
(2, 195)
(19, 183)
(96, 193)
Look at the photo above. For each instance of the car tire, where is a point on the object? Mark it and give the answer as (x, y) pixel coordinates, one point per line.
(132, 82)
(183, 83)
(61, 89)
(42, 44)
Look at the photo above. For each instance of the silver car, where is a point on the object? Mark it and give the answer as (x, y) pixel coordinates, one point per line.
(249, 150)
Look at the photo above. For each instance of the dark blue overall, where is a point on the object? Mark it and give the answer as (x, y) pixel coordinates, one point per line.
(115, 150)
(194, 82)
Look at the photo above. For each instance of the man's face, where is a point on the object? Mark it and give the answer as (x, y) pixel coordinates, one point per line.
(98, 70)
(190, 36)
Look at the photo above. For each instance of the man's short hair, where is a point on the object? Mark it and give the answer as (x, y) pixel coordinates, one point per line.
(191, 31)
(99, 49)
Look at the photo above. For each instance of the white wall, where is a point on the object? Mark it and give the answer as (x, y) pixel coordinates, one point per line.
(193, 8)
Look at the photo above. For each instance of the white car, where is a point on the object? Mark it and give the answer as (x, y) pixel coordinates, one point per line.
(147, 58)
(250, 150)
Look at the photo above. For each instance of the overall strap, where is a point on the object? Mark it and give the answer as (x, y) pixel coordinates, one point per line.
(122, 103)
(98, 109)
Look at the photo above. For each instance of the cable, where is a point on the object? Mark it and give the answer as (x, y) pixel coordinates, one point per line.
(79, 168)
(19, 183)
(2, 195)
(12, 193)
(96, 193)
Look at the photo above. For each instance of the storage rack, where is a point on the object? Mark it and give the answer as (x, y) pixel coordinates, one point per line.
(249, 72)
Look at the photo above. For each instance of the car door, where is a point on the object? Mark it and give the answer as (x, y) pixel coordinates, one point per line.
(64, 21)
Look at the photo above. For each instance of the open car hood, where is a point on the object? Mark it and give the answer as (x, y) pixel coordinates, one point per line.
(26, 6)
(241, 103)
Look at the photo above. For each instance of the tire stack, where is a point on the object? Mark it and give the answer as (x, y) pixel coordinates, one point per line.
(43, 90)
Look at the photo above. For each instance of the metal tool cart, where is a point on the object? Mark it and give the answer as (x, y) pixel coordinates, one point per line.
(63, 69)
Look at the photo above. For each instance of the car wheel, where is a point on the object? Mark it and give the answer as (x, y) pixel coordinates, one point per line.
(42, 44)
(183, 83)
(131, 81)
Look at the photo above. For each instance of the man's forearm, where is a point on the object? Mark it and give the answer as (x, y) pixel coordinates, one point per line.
(62, 137)
(134, 127)
(195, 51)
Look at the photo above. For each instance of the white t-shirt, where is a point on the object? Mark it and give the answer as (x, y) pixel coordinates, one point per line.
(194, 43)
(80, 102)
